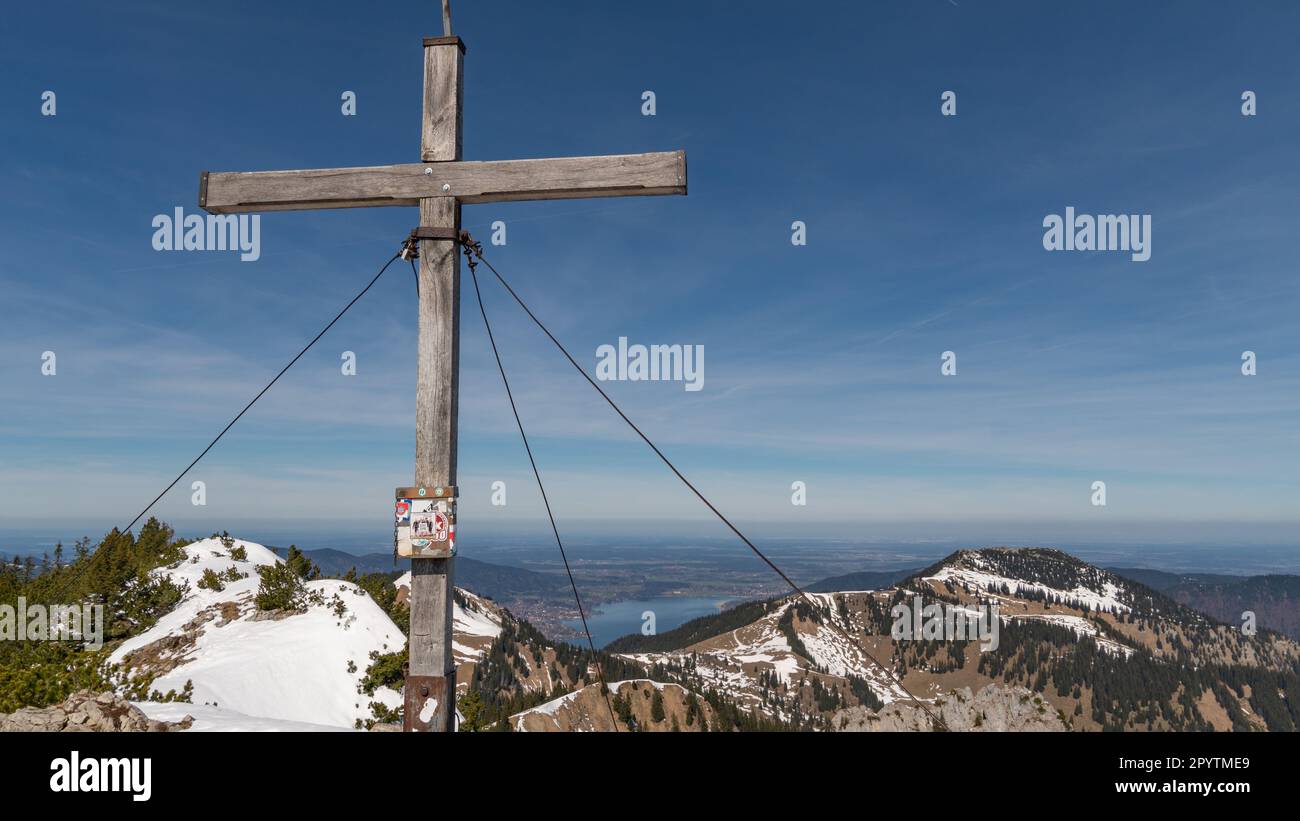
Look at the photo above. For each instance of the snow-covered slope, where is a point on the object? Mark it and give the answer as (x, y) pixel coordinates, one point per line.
(301, 667)
(209, 719)
(731, 663)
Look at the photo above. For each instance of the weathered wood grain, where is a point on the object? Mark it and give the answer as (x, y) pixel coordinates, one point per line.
(431, 616)
(440, 130)
(618, 175)
(437, 386)
(436, 416)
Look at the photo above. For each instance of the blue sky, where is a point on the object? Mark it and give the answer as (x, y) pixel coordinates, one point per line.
(822, 361)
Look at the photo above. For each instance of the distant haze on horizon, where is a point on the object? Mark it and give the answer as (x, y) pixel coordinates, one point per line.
(977, 533)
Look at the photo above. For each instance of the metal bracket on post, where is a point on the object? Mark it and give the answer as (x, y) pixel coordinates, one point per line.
(411, 248)
(426, 232)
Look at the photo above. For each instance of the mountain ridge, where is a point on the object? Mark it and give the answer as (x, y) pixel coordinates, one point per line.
(1069, 642)
(1105, 651)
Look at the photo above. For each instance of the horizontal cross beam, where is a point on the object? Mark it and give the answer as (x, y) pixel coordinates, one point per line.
(620, 175)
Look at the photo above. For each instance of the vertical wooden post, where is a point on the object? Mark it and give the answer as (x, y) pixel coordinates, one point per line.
(444, 90)
(431, 676)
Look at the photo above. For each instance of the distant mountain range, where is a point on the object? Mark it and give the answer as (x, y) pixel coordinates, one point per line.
(1274, 599)
(496, 581)
(865, 580)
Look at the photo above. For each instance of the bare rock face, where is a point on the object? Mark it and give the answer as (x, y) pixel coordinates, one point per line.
(586, 710)
(992, 709)
(87, 712)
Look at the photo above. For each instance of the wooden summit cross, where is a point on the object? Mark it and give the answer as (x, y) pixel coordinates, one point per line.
(439, 185)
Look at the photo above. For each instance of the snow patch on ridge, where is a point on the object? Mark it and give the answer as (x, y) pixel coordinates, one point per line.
(991, 583)
(209, 719)
(302, 667)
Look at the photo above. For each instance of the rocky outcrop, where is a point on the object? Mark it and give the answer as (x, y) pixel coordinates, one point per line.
(586, 710)
(87, 712)
(992, 709)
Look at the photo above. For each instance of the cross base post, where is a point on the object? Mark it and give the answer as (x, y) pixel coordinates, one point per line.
(423, 703)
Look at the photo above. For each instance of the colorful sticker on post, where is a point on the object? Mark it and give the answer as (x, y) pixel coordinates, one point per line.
(425, 522)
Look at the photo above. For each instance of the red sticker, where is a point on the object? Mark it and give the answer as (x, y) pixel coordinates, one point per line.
(440, 526)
